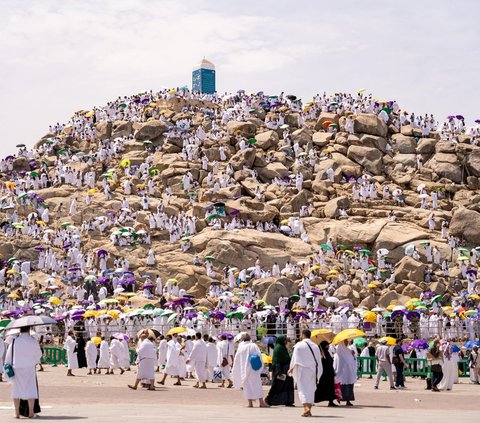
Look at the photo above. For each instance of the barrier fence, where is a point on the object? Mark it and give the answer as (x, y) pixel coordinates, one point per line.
(366, 365)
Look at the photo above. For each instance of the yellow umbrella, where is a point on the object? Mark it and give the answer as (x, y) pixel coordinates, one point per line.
(372, 285)
(89, 114)
(125, 162)
(13, 295)
(202, 308)
(391, 307)
(11, 272)
(176, 330)
(89, 313)
(55, 301)
(266, 358)
(320, 335)
(347, 334)
(284, 221)
(91, 191)
(389, 339)
(41, 222)
(474, 296)
(172, 91)
(121, 298)
(370, 317)
(113, 313)
(333, 272)
(96, 340)
(314, 268)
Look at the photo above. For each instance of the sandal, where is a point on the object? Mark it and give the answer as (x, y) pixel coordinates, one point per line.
(132, 387)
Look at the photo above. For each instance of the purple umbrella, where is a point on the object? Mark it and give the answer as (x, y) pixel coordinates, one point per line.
(301, 314)
(396, 313)
(450, 117)
(217, 315)
(412, 314)
(74, 269)
(319, 310)
(460, 117)
(67, 245)
(419, 344)
(148, 286)
(127, 272)
(130, 281)
(234, 212)
(190, 315)
(405, 348)
(229, 336)
(101, 253)
(471, 272)
(39, 248)
(477, 121)
(315, 292)
(9, 158)
(77, 317)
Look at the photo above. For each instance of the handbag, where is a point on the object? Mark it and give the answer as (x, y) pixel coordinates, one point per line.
(436, 368)
(338, 391)
(8, 367)
(282, 376)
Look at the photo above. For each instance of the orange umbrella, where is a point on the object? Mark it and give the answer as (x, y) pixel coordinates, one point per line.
(326, 123)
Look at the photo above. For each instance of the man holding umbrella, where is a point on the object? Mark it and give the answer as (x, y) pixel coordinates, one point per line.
(23, 355)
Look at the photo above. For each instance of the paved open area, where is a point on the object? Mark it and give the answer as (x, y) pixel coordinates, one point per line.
(102, 398)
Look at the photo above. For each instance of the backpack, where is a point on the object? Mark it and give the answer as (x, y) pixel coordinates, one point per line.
(255, 361)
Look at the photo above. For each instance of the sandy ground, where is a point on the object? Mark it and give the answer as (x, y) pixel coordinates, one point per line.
(103, 398)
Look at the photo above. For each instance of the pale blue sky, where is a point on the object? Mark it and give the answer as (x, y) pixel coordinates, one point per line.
(59, 56)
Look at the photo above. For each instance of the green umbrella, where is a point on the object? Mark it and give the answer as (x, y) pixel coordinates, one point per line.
(437, 298)
(326, 247)
(148, 306)
(65, 224)
(45, 294)
(213, 216)
(34, 173)
(365, 251)
(294, 298)
(360, 342)
(63, 151)
(154, 171)
(372, 268)
(236, 314)
(463, 250)
(4, 323)
(11, 260)
(252, 141)
(210, 258)
(147, 142)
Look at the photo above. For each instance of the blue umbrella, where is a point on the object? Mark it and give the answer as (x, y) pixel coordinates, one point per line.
(267, 340)
(455, 348)
(469, 345)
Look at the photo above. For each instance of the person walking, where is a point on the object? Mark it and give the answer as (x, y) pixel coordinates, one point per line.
(23, 355)
(306, 368)
(282, 389)
(399, 362)
(384, 363)
(436, 358)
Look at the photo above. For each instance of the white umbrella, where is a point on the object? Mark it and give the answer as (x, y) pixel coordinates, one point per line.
(332, 299)
(420, 187)
(423, 196)
(396, 192)
(31, 321)
(118, 290)
(383, 251)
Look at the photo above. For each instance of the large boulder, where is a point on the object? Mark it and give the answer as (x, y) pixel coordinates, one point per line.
(370, 124)
(245, 129)
(325, 117)
(266, 140)
(409, 269)
(243, 158)
(446, 165)
(149, 130)
(473, 163)
(332, 208)
(322, 139)
(465, 224)
(274, 289)
(403, 144)
(345, 292)
(272, 170)
(370, 158)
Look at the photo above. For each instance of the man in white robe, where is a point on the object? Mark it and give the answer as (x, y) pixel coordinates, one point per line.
(146, 357)
(306, 368)
(244, 376)
(116, 353)
(23, 355)
(173, 364)
(104, 359)
(71, 346)
(225, 355)
(198, 357)
(212, 356)
(91, 352)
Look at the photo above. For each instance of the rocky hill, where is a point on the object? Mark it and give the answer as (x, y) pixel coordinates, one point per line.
(324, 146)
